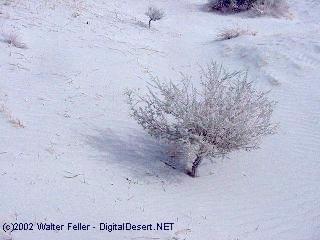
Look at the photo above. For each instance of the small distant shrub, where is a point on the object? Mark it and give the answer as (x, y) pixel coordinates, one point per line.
(225, 114)
(227, 34)
(13, 39)
(11, 119)
(154, 14)
(270, 7)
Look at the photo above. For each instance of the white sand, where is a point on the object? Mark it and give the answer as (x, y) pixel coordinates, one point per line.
(80, 158)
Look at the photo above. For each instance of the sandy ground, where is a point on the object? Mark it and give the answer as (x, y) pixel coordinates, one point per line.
(70, 153)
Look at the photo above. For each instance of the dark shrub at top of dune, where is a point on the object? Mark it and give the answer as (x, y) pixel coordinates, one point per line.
(231, 5)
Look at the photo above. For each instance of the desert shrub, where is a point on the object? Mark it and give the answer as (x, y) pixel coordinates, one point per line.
(154, 14)
(226, 113)
(270, 7)
(231, 5)
(229, 33)
(12, 39)
(9, 116)
(242, 5)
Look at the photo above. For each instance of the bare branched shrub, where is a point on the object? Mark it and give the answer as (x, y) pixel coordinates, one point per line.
(154, 14)
(13, 39)
(225, 114)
